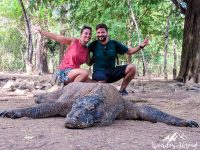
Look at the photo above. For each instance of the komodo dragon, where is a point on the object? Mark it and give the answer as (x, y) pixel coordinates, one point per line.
(93, 104)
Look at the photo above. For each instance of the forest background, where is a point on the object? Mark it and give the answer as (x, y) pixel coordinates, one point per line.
(129, 21)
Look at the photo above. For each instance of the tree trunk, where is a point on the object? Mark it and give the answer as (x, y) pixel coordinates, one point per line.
(62, 47)
(129, 43)
(175, 61)
(52, 63)
(166, 47)
(41, 56)
(45, 68)
(128, 58)
(29, 52)
(190, 58)
(38, 62)
(144, 63)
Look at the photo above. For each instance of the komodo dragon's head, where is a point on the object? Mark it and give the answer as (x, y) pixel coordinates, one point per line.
(85, 112)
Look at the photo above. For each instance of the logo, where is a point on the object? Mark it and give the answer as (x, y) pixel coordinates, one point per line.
(175, 141)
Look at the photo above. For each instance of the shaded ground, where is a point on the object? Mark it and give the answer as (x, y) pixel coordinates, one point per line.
(50, 133)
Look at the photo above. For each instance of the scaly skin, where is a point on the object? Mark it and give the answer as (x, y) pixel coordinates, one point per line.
(93, 104)
(134, 111)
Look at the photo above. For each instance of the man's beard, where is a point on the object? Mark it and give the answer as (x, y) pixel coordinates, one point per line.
(102, 38)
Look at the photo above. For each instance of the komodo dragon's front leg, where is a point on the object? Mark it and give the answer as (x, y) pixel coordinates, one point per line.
(40, 111)
(148, 113)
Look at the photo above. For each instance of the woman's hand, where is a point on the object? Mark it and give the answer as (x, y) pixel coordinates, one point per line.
(36, 29)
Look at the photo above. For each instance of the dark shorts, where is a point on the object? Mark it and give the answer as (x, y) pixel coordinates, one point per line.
(111, 75)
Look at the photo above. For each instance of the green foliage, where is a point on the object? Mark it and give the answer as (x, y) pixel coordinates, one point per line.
(11, 51)
(10, 8)
(71, 15)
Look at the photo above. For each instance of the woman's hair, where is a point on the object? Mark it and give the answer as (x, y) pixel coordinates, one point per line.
(86, 27)
(102, 25)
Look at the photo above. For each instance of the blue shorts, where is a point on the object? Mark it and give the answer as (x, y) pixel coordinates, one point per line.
(111, 75)
(61, 76)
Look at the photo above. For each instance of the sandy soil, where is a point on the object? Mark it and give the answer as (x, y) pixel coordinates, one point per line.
(50, 133)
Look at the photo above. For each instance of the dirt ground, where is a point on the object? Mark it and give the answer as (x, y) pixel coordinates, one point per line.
(50, 133)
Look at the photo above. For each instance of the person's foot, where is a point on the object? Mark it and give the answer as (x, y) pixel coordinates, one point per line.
(123, 92)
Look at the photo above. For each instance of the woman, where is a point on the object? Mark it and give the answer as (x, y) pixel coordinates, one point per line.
(76, 54)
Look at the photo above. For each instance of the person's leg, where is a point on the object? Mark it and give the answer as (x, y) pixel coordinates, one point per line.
(88, 80)
(126, 71)
(78, 75)
(116, 73)
(99, 76)
(129, 75)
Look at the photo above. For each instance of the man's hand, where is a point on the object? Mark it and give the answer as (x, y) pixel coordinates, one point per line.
(144, 43)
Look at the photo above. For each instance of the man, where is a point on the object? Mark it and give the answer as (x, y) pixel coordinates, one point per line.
(104, 55)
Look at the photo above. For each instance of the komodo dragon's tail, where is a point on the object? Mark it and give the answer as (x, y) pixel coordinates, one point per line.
(148, 113)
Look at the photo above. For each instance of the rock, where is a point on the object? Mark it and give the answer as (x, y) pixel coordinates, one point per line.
(9, 84)
(20, 92)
